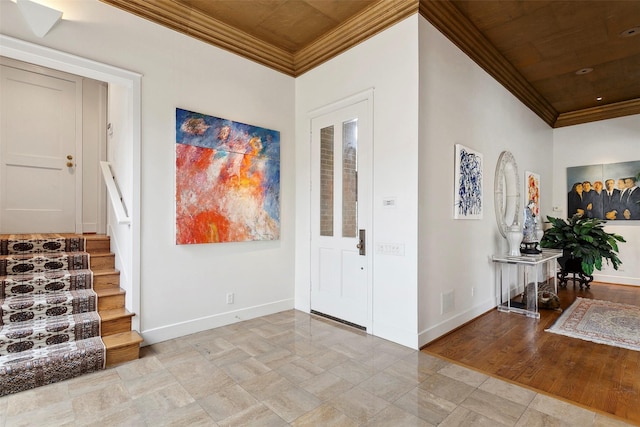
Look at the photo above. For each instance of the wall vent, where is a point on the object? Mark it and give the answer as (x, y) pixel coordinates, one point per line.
(447, 302)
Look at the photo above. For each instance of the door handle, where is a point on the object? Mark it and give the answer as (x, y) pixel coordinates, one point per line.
(362, 236)
(69, 164)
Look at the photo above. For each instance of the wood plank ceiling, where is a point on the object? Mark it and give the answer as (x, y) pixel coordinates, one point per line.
(558, 57)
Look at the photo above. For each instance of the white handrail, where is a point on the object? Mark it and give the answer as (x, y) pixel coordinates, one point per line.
(114, 194)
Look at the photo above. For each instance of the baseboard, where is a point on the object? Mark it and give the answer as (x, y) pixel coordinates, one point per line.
(396, 335)
(618, 280)
(164, 333)
(89, 227)
(448, 325)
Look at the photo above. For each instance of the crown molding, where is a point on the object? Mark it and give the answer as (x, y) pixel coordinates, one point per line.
(443, 15)
(446, 17)
(177, 16)
(194, 23)
(366, 24)
(609, 111)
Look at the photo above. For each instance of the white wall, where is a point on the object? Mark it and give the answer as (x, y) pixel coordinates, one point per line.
(119, 154)
(607, 141)
(388, 64)
(94, 101)
(460, 103)
(183, 288)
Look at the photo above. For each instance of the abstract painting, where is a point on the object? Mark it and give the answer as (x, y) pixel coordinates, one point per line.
(533, 190)
(227, 180)
(468, 184)
(606, 191)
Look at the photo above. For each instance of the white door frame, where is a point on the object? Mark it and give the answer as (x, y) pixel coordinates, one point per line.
(366, 95)
(39, 55)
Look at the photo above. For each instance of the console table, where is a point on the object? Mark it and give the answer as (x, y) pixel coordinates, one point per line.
(528, 276)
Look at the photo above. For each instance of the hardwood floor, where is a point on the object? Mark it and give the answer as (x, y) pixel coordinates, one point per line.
(517, 348)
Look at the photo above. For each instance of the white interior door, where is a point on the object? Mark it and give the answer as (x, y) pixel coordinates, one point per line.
(40, 118)
(341, 214)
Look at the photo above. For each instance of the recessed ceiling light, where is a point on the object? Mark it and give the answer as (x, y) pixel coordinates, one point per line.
(634, 31)
(599, 98)
(584, 71)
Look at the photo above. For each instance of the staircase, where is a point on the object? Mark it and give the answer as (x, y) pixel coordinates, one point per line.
(122, 343)
(62, 312)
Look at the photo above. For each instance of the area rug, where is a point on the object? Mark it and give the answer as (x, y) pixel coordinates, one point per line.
(602, 322)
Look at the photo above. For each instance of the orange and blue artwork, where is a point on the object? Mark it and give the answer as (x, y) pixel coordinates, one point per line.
(227, 180)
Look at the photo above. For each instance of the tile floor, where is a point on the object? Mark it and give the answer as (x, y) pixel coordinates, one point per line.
(288, 368)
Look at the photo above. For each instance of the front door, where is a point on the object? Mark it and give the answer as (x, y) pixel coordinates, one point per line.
(39, 119)
(341, 214)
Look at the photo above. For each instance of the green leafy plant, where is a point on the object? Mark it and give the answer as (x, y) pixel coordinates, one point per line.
(585, 239)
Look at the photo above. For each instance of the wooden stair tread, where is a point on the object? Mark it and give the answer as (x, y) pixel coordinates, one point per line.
(102, 255)
(115, 313)
(93, 236)
(107, 292)
(122, 339)
(105, 272)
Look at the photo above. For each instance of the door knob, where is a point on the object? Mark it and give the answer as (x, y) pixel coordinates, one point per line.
(69, 164)
(361, 242)
(69, 157)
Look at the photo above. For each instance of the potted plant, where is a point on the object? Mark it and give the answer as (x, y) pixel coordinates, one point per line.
(584, 243)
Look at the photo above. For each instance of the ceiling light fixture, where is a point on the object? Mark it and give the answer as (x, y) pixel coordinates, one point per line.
(584, 71)
(634, 31)
(599, 98)
(40, 18)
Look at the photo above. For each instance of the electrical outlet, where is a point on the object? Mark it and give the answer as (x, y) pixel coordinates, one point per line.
(230, 298)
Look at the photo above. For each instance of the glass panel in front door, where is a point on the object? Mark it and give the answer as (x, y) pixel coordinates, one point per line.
(326, 181)
(350, 178)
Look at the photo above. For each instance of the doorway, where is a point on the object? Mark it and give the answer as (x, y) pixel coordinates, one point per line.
(124, 108)
(40, 150)
(52, 138)
(341, 218)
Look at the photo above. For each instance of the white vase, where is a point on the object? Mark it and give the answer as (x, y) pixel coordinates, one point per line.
(539, 231)
(514, 238)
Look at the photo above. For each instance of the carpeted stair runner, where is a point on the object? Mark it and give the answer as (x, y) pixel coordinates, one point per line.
(38, 263)
(49, 324)
(21, 336)
(39, 243)
(22, 308)
(34, 368)
(45, 282)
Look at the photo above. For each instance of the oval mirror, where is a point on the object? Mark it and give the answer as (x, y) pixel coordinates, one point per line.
(506, 188)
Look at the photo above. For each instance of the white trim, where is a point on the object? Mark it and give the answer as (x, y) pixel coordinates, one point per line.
(365, 95)
(397, 335)
(62, 61)
(618, 280)
(101, 226)
(168, 332)
(438, 330)
(79, 155)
